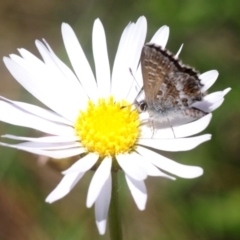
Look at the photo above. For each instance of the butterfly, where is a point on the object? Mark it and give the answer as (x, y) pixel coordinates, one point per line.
(170, 87)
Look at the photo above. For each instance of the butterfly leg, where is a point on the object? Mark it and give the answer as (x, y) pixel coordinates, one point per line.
(171, 127)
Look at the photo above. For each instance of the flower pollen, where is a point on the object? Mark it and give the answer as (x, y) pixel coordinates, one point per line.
(108, 127)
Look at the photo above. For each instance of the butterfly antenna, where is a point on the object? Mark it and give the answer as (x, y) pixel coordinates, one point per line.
(130, 70)
(137, 84)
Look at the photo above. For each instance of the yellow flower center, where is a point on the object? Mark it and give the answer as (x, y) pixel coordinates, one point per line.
(108, 127)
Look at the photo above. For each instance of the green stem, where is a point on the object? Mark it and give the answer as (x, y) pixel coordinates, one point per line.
(114, 215)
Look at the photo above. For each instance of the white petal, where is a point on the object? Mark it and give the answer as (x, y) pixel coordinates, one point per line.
(99, 179)
(79, 61)
(102, 205)
(181, 131)
(144, 116)
(152, 170)
(100, 55)
(160, 38)
(214, 97)
(133, 91)
(148, 132)
(155, 172)
(70, 76)
(48, 145)
(205, 106)
(208, 79)
(211, 101)
(14, 115)
(170, 166)
(28, 82)
(137, 42)
(83, 164)
(127, 58)
(132, 165)
(57, 154)
(119, 64)
(216, 105)
(139, 79)
(47, 58)
(226, 91)
(48, 139)
(138, 191)
(193, 127)
(29, 57)
(72, 88)
(64, 187)
(176, 144)
(134, 83)
(42, 81)
(179, 51)
(38, 111)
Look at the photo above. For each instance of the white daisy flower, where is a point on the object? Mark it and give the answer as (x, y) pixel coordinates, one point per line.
(93, 116)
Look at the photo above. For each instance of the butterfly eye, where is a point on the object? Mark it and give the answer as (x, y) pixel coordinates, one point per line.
(143, 106)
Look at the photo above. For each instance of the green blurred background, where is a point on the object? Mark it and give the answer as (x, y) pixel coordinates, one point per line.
(204, 208)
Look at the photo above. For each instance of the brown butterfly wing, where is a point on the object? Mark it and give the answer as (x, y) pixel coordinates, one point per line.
(168, 84)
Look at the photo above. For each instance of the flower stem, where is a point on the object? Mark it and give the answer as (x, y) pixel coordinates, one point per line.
(114, 215)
